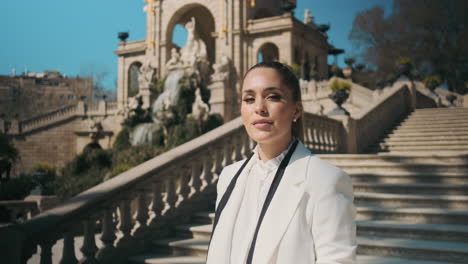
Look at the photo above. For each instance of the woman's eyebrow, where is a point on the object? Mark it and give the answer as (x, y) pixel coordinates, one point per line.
(269, 89)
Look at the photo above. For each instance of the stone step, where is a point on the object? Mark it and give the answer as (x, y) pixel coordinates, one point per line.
(169, 259)
(204, 217)
(432, 111)
(445, 120)
(413, 215)
(441, 129)
(428, 139)
(412, 188)
(399, 168)
(427, 149)
(452, 252)
(459, 202)
(363, 259)
(410, 177)
(434, 125)
(398, 229)
(445, 142)
(195, 231)
(411, 134)
(182, 246)
(388, 158)
(166, 259)
(437, 117)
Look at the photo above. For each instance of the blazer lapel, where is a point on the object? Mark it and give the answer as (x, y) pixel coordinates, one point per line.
(220, 246)
(282, 206)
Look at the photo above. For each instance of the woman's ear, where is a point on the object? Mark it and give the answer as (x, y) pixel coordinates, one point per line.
(299, 110)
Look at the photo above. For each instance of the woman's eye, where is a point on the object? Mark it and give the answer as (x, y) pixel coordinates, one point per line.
(248, 100)
(274, 97)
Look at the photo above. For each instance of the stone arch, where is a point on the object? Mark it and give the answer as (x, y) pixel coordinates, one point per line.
(205, 24)
(133, 72)
(269, 52)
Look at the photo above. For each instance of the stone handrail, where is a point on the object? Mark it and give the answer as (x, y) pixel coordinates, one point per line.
(134, 207)
(59, 115)
(41, 120)
(383, 115)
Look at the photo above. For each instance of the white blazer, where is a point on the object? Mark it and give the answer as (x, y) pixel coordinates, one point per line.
(311, 218)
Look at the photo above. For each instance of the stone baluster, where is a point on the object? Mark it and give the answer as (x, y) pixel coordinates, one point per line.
(218, 157)
(227, 147)
(206, 176)
(89, 247)
(157, 204)
(142, 212)
(245, 145)
(326, 137)
(183, 189)
(46, 251)
(108, 237)
(125, 225)
(238, 147)
(170, 198)
(320, 137)
(68, 251)
(195, 178)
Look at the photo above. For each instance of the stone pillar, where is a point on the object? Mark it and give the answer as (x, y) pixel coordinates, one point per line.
(2, 125)
(465, 101)
(349, 138)
(221, 99)
(14, 127)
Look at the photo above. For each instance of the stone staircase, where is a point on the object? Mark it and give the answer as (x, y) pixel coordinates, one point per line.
(430, 130)
(412, 201)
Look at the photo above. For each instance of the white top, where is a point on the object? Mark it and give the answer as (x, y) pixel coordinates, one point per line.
(258, 184)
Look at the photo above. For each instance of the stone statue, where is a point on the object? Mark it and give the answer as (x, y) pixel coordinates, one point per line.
(174, 62)
(146, 75)
(195, 49)
(221, 69)
(200, 109)
(308, 18)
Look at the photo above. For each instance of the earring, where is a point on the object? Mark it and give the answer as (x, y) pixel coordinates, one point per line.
(294, 120)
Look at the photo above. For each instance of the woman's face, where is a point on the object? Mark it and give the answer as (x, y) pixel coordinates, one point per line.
(267, 108)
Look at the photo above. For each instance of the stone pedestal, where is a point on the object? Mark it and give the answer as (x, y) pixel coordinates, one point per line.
(145, 97)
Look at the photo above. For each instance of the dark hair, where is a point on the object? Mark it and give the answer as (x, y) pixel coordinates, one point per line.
(290, 80)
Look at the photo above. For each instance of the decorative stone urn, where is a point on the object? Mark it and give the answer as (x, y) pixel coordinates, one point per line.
(339, 97)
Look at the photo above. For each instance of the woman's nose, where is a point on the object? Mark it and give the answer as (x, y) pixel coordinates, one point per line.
(260, 107)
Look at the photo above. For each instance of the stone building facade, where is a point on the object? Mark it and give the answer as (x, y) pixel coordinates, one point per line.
(239, 31)
(28, 95)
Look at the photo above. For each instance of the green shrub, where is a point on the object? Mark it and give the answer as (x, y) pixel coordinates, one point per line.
(135, 155)
(122, 141)
(83, 172)
(404, 61)
(214, 121)
(432, 81)
(339, 85)
(296, 69)
(17, 188)
(120, 168)
(44, 176)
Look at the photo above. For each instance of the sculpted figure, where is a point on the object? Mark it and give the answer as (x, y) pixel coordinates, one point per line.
(195, 49)
(146, 75)
(221, 69)
(174, 62)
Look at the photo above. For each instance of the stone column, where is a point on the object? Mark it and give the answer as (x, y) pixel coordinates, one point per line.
(221, 99)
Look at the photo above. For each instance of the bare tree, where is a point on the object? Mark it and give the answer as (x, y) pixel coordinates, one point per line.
(432, 33)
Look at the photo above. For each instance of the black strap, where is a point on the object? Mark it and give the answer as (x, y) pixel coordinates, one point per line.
(227, 194)
(271, 193)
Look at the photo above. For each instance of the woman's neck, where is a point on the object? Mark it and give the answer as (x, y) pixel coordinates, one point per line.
(267, 152)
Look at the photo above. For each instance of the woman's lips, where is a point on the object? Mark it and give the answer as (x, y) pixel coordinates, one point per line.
(263, 124)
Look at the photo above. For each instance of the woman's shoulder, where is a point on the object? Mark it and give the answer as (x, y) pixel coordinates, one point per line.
(323, 173)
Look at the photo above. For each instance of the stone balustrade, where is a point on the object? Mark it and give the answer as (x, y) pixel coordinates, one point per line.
(136, 207)
(79, 110)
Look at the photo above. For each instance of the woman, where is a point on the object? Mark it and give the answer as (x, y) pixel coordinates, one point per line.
(282, 204)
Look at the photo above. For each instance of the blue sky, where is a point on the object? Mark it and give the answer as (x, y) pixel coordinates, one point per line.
(78, 37)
